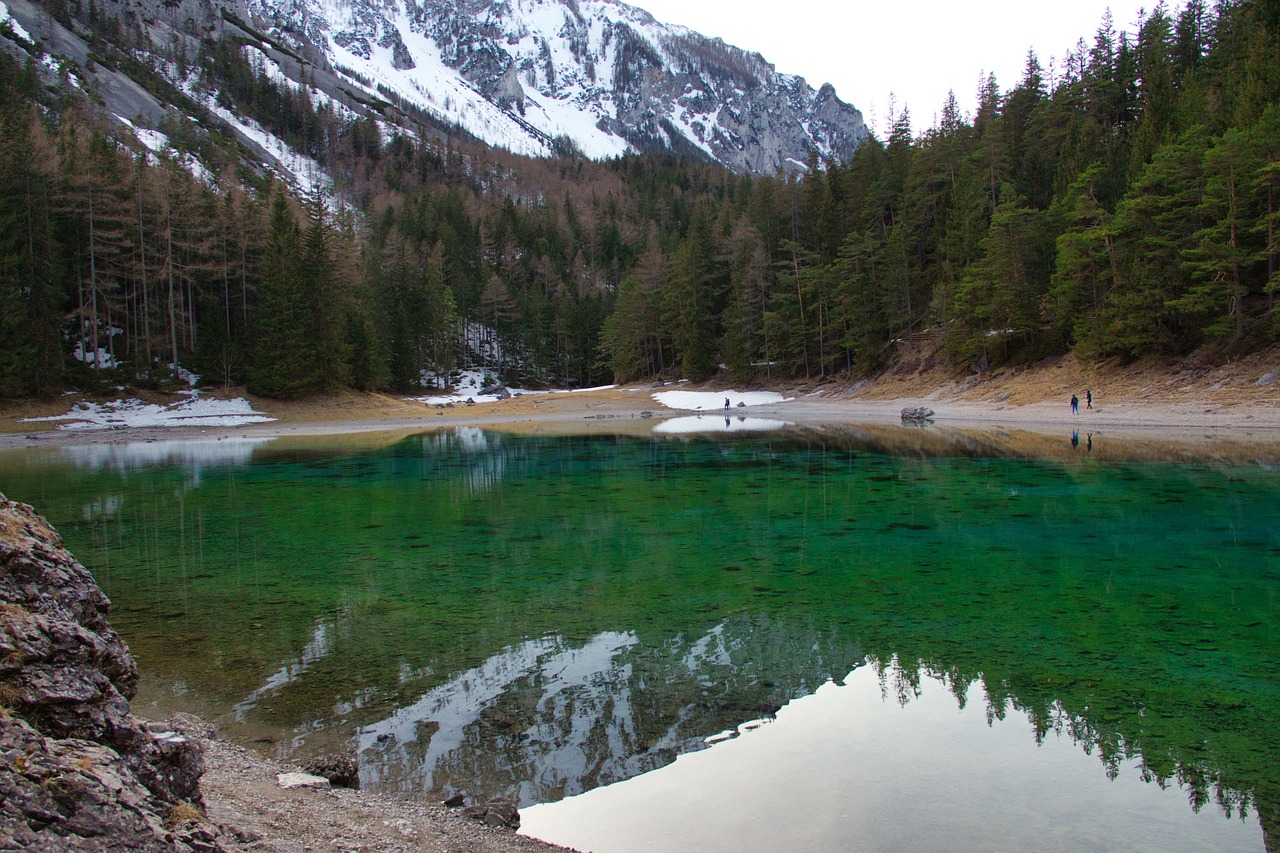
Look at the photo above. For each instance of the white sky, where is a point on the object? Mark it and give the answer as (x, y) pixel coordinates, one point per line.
(916, 49)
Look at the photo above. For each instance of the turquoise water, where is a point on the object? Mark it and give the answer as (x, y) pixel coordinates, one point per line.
(539, 617)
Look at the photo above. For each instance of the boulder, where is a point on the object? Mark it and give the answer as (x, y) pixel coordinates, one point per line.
(497, 812)
(341, 770)
(917, 416)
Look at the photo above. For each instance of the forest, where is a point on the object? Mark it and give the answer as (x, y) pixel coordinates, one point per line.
(1123, 203)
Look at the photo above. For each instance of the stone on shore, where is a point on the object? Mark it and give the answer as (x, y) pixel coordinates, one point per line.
(917, 415)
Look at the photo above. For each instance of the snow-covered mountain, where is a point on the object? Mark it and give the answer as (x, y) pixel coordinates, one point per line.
(604, 75)
(537, 77)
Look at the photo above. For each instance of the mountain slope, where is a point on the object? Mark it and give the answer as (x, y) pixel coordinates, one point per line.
(536, 77)
(600, 73)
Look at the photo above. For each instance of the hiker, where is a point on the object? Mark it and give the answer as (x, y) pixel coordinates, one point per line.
(1088, 399)
(1075, 405)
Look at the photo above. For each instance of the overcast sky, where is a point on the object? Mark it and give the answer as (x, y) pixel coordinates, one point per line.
(916, 49)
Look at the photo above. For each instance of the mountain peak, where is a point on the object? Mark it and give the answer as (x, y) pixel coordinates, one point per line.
(602, 74)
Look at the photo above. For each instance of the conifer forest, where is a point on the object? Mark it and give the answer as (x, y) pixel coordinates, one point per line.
(1122, 203)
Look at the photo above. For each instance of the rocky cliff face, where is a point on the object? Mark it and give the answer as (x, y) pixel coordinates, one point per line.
(537, 77)
(601, 74)
(77, 770)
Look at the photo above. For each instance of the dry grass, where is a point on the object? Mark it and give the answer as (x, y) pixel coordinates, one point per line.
(10, 694)
(180, 814)
(1054, 380)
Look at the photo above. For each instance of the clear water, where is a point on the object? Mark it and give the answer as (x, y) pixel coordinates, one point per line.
(539, 617)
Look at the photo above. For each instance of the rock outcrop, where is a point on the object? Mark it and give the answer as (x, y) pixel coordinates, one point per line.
(77, 770)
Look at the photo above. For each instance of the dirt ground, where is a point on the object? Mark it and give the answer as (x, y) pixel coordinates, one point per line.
(243, 795)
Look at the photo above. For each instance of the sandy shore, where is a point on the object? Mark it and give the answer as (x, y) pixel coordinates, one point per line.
(1238, 403)
(631, 410)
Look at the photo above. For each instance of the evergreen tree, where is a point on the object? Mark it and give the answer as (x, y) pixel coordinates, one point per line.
(284, 360)
(1154, 224)
(688, 307)
(30, 304)
(998, 308)
(1224, 260)
(1085, 271)
(321, 276)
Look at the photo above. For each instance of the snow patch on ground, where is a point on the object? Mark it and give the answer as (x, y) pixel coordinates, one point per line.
(103, 359)
(133, 413)
(468, 387)
(706, 401)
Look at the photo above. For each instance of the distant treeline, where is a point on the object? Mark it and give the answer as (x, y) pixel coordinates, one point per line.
(1126, 204)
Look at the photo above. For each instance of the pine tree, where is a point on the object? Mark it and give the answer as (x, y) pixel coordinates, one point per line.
(30, 302)
(283, 361)
(321, 276)
(998, 305)
(1224, 260)
(689, 302)
(1085, 270)
(1154, 224)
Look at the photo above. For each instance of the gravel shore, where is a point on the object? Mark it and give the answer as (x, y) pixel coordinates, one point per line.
(241, 791)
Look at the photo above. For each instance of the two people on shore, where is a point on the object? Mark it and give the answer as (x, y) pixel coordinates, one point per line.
(1075, 402)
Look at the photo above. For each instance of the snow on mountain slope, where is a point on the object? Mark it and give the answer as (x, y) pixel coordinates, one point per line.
(537, 77)
(602, 76)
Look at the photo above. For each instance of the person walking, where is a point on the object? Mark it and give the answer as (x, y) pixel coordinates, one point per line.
(1075, 405)
(1088, 399)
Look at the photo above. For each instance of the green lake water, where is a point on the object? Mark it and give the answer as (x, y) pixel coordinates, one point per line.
(540, 617)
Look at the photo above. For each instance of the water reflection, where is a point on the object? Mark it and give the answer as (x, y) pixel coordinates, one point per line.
(717, 423)
(535, 617)
(320, 645)
(555, 718)
(853, 768)
(192, 455)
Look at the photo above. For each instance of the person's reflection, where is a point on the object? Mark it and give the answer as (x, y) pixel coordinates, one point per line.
(1088, 442)
(1075, 439)
(726, 422)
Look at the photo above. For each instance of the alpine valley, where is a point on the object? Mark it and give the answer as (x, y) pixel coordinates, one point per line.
(306, 196)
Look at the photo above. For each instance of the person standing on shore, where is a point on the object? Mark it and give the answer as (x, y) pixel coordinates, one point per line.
(1088, 399)
(1075, 405)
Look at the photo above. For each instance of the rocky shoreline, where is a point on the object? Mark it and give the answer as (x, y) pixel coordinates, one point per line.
(80, 772)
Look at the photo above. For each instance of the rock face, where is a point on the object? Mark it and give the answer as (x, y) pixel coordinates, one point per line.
(77, 770)
(599, 78)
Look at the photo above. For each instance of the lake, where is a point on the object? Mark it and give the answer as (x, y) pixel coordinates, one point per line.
(844, 639)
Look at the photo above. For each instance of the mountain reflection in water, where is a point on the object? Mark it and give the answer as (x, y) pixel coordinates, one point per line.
(538, 617)
(866, 767)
